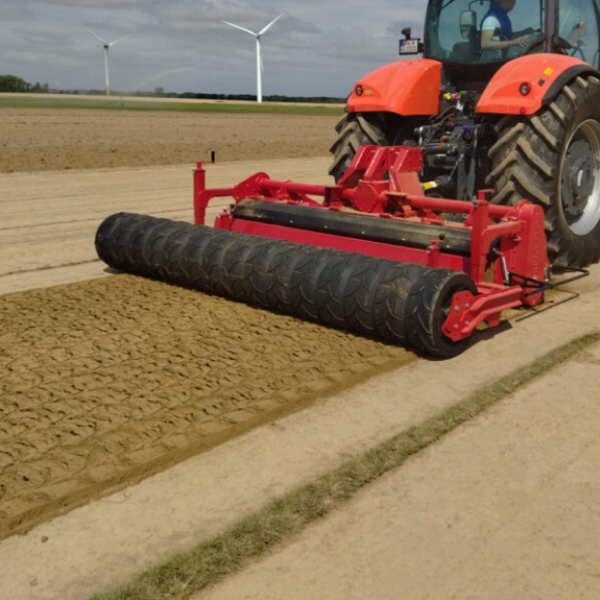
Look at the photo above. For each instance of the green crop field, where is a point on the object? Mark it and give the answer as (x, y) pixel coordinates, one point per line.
(171, 104)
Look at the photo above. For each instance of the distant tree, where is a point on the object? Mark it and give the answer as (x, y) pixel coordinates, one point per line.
(38, 88)
(159, 91)
(12, 83)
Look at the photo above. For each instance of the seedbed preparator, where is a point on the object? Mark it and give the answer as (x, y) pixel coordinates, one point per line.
(376, 256)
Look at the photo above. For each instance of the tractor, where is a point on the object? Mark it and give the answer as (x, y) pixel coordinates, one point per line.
(522, 118)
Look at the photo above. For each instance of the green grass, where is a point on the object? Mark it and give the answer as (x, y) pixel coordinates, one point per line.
(126, 103)
(213, 560)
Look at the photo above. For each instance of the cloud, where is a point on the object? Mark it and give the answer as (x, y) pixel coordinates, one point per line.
(315, 49)
(100, 4)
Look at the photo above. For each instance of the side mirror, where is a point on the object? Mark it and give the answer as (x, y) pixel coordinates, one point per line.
(468, 23)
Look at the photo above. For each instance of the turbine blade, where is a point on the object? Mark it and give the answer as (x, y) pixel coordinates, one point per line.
(238, 27)
(96, 36)
(120, 39)
(267, 27)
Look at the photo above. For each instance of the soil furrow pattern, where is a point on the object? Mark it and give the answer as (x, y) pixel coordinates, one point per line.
(105, 382)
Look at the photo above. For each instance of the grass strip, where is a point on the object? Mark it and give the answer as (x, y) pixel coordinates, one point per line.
(211, 561)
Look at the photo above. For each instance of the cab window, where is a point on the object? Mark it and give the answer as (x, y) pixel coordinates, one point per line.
(578, 25)
(453, 29)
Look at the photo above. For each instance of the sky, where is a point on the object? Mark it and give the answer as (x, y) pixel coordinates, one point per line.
(317, 48)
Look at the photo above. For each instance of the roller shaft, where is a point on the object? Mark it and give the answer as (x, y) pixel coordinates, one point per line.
(398, 302)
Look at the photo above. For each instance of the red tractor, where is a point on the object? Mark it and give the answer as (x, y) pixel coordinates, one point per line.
(507, 97)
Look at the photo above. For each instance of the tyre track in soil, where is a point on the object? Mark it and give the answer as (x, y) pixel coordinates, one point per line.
(105, 382)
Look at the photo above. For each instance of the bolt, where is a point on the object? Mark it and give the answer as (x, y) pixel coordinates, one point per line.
(456, 326)
(468, 305)
(457, 309)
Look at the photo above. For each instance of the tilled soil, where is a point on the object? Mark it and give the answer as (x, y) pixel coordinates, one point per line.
(52, 139)
(105, 382)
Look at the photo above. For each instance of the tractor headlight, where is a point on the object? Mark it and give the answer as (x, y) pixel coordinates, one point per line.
(524, 89)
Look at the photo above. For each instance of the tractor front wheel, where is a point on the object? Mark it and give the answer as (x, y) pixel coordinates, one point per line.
(553, 159)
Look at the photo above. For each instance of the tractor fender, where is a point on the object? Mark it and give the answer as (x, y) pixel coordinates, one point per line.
(523, 85)
(406, 87)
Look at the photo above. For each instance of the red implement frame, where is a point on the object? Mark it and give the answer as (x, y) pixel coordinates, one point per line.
(507, 243)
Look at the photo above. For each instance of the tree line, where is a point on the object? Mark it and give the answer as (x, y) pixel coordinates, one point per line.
(14, 84)
(251, 97)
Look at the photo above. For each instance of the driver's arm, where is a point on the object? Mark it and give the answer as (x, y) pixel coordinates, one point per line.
(488, 43)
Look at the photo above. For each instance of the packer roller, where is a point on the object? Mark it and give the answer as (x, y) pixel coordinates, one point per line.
(373, 255)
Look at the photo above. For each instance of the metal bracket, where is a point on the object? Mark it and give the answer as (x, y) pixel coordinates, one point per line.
(541, 287)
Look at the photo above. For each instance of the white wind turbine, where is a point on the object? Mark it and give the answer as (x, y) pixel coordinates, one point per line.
(107, 46)
(259, 65)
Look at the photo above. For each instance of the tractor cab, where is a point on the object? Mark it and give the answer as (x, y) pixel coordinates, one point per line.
(455, 31)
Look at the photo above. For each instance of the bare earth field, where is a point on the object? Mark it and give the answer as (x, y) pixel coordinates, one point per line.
(104, 382)
(51, 139)
(107, 381)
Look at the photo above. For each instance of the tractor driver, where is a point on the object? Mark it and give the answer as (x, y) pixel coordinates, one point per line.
(496, 30)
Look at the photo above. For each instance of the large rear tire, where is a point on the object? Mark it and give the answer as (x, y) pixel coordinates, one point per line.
(355, 130)
(553, 159)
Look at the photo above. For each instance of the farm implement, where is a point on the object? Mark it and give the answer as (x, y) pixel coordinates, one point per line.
(374, 256)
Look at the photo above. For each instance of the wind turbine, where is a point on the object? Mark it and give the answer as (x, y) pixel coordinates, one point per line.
(259, 65)
(107, 46)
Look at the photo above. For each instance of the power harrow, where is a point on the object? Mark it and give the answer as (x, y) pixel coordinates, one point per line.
(374, 255)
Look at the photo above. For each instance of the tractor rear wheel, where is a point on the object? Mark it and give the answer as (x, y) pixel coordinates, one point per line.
(553, 159)
(355, 130)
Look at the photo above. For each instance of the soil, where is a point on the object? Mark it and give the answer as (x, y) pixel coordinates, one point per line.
(51, 139)
(503, 507)
(107, 381)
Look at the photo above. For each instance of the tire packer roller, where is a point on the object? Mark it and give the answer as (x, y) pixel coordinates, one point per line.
(373, 256)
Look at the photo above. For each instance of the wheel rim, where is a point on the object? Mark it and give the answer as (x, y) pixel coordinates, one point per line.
(580, 179)
(443, 313)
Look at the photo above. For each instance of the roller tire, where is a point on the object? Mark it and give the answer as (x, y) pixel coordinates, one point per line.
(428, 308)
(542, 159)
(369, 296)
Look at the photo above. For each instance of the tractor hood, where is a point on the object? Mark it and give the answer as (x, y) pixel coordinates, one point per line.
(406, 87)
